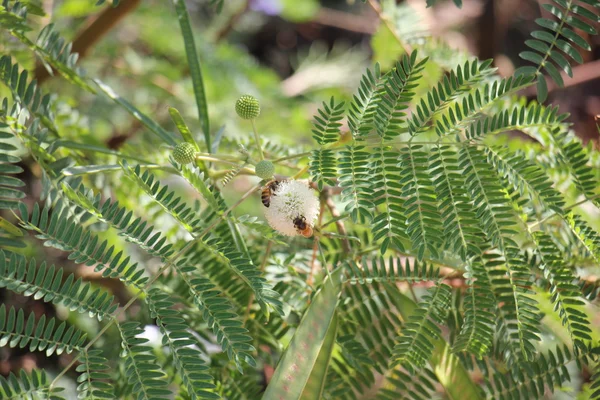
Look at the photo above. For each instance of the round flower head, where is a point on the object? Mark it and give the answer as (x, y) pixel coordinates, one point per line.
(184, 153)
(247, 107)
(265, 169)
(291, 200)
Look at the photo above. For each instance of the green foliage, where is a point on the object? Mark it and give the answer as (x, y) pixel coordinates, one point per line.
(17, 331)
(188, 360)
(219, 314)
(47, 283)
(195, 70)
(58, 230)
(415, 346)
(457, 252)
(559, 37)
(145, 380)
(27, 385)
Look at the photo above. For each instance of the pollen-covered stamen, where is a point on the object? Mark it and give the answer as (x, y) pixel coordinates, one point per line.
(292, 200)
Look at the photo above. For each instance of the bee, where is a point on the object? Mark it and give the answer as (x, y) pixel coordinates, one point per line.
(268, 191)
(302, 227)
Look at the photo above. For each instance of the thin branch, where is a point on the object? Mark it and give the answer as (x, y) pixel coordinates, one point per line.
(313, 263)
(569, 208)
(339, 223)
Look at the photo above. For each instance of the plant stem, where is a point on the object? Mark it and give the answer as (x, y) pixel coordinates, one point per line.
(569, 208)
(215, 160)
(257, 139)
(291, 157)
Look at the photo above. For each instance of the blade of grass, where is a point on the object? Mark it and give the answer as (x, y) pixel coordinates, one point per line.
(195, 70)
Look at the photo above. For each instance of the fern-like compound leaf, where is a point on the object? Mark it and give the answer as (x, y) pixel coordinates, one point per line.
(322, 167)
(365, 101)
(61, 231)
(402, 384)
(50, 336)
(460, 228)
(27, 94)
(422, 216)
(368, 316)
(55, 52)
(517, 118)
(354, 178)
(245, 269)
(48, 284)
(491, 204)
(561, 36)
(465, 110)
(415, 345)
(144, 375)
(574, 156)
(389, 225)
(517, 312)
(394, 96)
(94, 376)
(378, 270)
(477, 331)
(34, 384)
(172, 204)
(527, 178)
(182, 345)
(134, 229)
(219, 314)
(456, 82)
(564, 293)
(586, 237)
(326, 124)
(547, 371)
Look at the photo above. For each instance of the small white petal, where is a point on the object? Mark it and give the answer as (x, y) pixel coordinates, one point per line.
(290, 200)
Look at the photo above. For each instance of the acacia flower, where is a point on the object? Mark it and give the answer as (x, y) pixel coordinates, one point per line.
(292, 199)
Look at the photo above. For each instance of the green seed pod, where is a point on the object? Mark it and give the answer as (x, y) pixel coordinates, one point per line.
(247, 107)
(265, 169)
(184, 153)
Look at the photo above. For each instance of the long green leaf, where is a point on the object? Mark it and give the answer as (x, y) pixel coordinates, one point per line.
(195, 71)
(316, 383)
(137, 114)
(302, 368)
(182, 127)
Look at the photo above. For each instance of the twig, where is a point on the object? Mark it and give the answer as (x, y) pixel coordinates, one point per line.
(313, 267)
(338, 222)
(572, 206)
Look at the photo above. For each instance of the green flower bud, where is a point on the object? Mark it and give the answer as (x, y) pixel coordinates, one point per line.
(247, 107)
(184, 153)
(265, 169)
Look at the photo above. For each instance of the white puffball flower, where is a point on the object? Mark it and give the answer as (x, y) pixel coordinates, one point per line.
(292, 199)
